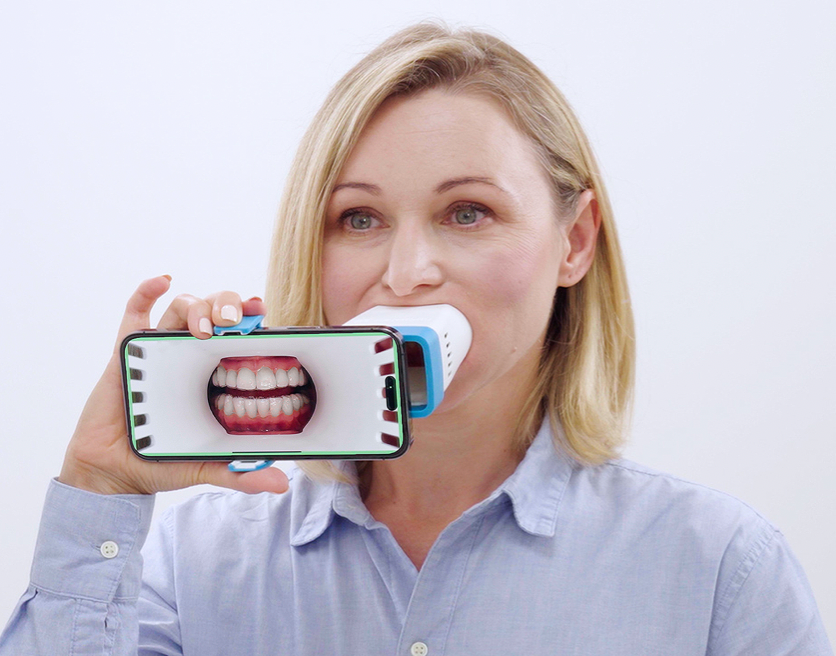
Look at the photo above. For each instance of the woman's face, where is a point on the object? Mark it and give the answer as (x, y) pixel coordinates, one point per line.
(408, 223)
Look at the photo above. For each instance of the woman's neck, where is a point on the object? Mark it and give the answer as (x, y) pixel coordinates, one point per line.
(458, 457)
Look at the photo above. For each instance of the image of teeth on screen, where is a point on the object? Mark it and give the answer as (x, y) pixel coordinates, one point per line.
(233, 395)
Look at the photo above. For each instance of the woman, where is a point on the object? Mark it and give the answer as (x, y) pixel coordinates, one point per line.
(443, 168)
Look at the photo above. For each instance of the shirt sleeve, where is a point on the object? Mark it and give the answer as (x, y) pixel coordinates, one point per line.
(159, 626)
(85, 579)
(768, 606)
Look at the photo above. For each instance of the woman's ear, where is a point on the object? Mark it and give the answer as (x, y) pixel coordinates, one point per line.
(580, 235)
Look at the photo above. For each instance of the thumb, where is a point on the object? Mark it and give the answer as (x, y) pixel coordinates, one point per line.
(269, 479)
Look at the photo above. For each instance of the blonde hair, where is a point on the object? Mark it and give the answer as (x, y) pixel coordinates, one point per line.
(587, 369)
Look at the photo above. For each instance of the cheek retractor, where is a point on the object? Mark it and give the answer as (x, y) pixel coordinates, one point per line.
(436, 338)
(214, 399)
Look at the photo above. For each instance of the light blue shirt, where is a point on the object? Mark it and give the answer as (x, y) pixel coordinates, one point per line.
(560, 559)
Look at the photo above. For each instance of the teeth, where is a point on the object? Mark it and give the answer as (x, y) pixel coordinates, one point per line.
(252, 407)
(246, 379)
(281, 378)
(263, 407)
(238, 402)
(265, 379)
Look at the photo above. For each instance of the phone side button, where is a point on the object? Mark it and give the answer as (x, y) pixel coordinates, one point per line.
(391, 398)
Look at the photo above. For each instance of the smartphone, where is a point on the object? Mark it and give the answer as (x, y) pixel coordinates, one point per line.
(273, 394)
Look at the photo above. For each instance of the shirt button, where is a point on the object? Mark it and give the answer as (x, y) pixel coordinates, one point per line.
(419, 649)
(109, 549)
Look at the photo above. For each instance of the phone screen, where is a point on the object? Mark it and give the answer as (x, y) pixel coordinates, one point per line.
(288, 394)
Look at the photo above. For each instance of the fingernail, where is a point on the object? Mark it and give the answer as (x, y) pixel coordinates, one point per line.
(230, 313)
(255, 298)
(165, 275)
(205, 326)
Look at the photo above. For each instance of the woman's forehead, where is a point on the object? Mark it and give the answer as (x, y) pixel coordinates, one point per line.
(437, 136)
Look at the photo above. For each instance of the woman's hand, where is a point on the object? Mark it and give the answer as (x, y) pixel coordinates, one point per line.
(99, 458)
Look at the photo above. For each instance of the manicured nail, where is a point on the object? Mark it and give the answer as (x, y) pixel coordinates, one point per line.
(205, 326)
(230, 313)
(256, 298)
(165, 275)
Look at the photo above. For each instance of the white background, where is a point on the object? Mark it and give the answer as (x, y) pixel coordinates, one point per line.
(146, 138)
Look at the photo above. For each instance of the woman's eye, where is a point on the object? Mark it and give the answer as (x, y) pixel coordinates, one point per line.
(359, 221)
(467, 214)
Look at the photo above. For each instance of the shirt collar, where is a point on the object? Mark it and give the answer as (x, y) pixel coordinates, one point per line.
(535, 490)
(536, 487)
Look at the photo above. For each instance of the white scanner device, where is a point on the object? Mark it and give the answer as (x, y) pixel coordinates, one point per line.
(440, 336)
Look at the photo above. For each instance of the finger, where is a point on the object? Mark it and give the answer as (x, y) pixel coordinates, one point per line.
(269, 479)
(227, 309)
(176, 316)
(253, 306)
(199, 320)
(138, 309)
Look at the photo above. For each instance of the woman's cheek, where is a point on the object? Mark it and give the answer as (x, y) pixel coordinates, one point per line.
(340, 287)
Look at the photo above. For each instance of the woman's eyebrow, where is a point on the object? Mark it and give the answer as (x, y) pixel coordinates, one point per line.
(444, 186)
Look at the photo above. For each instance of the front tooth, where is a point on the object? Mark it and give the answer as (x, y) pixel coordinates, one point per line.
(231, 378)
(239, 406)
(264, 406)
(275, 406)
(246, 379)
(229, 407)
(297, 402)
(281, 378)
(221, 376)
(265, 379)
(287, 405)
(293, 377)
(250, 407)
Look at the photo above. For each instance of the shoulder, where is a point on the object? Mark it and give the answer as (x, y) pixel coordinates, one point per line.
(625, 482)
(655, 507)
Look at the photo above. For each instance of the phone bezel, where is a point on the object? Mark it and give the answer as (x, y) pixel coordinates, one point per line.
(400, 376)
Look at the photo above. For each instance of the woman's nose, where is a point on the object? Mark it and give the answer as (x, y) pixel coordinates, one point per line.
(413, 262)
